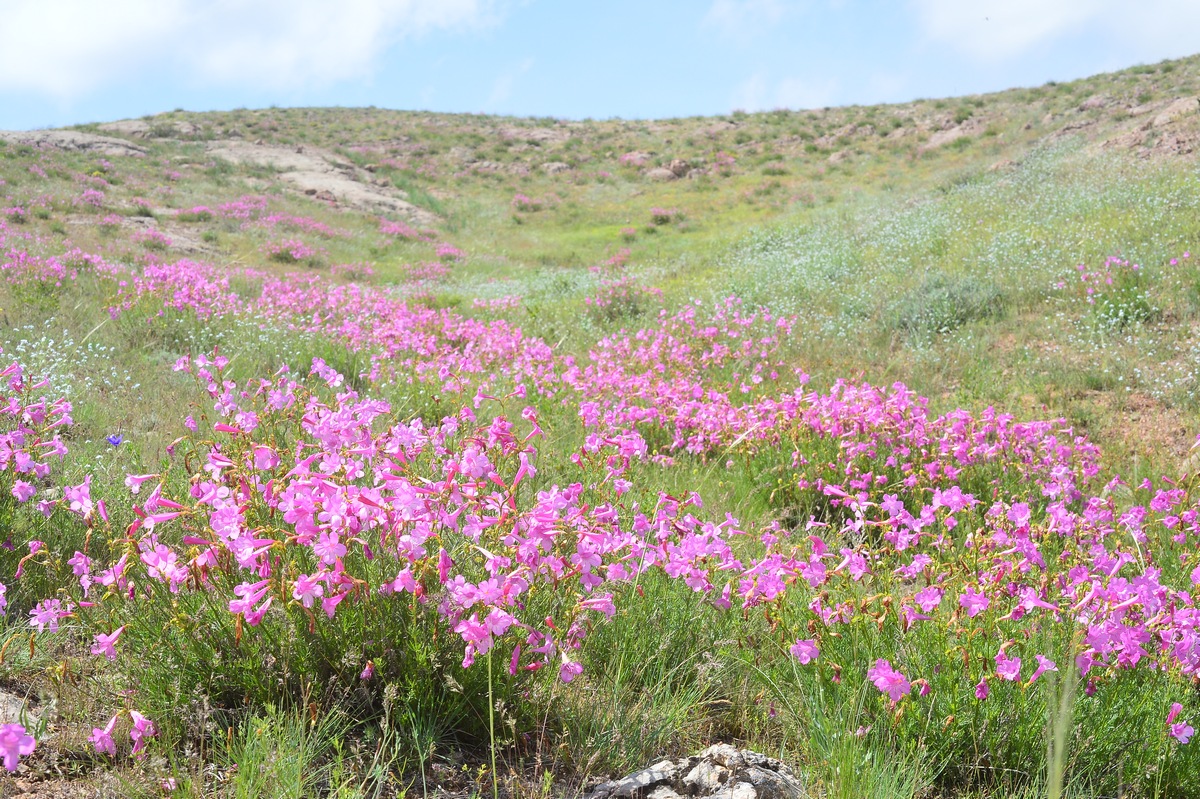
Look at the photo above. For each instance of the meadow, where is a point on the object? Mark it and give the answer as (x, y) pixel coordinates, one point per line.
(359, 453)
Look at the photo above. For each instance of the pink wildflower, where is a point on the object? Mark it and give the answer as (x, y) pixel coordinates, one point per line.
(805, 651)
(106, 644)
(14, 743)
(102, 738)
(888, 680)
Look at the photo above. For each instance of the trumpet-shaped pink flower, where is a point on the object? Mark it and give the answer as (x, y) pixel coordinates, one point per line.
(888, 680)
(47, 613)
(1007, 668)
(106, 644)
(1045, 664)
(14, 742)
(805, 651)
(143, 729)
(102, 739)
(974, 602)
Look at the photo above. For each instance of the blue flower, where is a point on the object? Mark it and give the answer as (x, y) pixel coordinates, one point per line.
(115, 439)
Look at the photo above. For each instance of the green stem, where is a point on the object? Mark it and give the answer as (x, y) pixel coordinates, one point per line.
(492, 730)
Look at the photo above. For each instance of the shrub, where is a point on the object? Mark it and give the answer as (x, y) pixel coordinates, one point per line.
(942, 303)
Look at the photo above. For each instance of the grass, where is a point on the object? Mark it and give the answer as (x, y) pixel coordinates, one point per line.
(952, 269)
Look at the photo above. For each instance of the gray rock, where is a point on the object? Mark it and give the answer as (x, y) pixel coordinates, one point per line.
(554, 167)
(741, 790)
(1177, 109)
(661, 173)
(158, 128)
(72, 140)
(323, 175)
(706, 778)
(663, 792)
(719, 772)
(12, 707)
(638, 784)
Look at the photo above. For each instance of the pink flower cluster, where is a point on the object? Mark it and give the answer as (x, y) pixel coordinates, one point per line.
(664, 216)
(291, 251)
(303, 224)
(248, 207)
(354, 271)
(152, 239)
(437, 505)
(400, 230)
(197, 213)
(90, 197)
(525, 203)
(30, 440)
(448, 252)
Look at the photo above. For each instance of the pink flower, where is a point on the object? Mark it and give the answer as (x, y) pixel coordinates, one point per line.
(928, 599)
(981, 689)
(974, 602)
(47, 613)
(106, 644)
(265, 458)
(1182, 731)
(102, 738)
(888, 680)
(143, 729)
(14, 743)
(308, 589)
(1007, 668)
(23, 491)
(1044, 664)
(249, 595)
(805, 651)
(328, 548)
(570, 670)
(134, 481)
(600, 602)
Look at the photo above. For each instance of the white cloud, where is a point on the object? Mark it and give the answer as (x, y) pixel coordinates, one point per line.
(502, 87)
(743, 18)
(66, 47)
(751, 94)
(759, 93)
(992, 30)
(799, 93)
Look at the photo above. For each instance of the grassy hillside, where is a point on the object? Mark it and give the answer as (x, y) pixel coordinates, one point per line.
(797, 429)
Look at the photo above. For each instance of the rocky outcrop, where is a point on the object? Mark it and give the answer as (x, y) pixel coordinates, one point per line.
(144, 129)
(719, 772)
(679, 167)
(324, 175)
(1176, 110)
(72, 140)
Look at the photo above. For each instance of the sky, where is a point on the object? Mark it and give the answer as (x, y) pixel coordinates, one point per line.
(66, 62)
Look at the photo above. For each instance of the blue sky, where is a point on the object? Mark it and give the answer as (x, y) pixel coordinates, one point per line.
(71, 61)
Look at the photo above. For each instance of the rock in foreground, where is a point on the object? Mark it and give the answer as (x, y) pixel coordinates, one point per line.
(719, 772)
